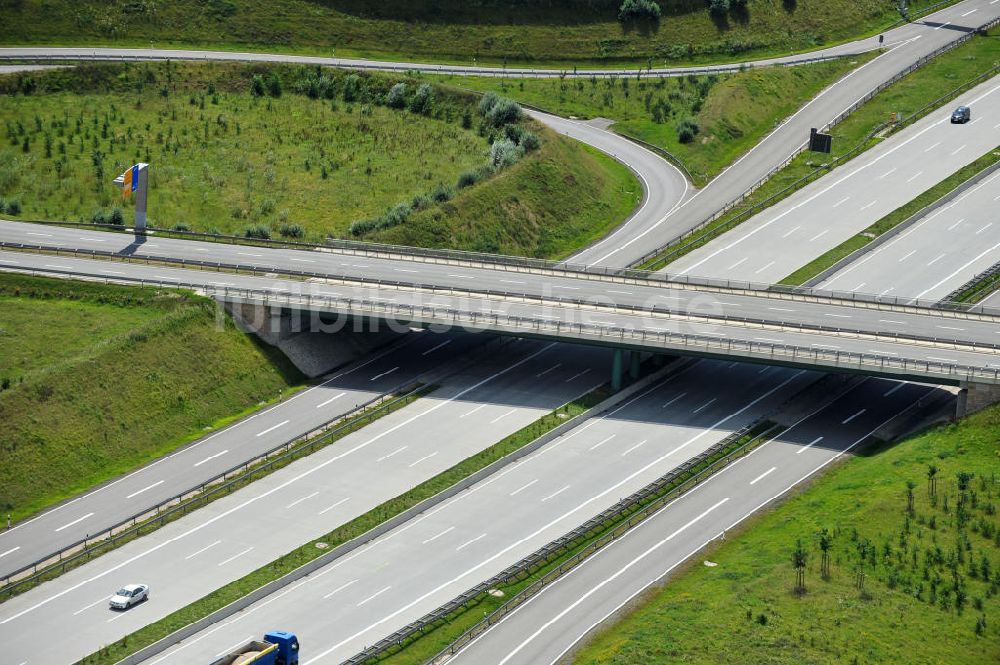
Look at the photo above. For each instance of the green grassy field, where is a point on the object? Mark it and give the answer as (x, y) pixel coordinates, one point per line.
(910, 94)
(491, 31)
(732, 111)
(98, 379)
(930, 574)
(225, 161)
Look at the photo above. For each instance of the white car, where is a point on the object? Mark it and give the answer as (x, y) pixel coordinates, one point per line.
(129, 595)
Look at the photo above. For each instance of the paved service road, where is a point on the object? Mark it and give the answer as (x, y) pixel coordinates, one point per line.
(889, 352)
(548, 625)
(367, 594)
(154, 483)
(956, 241)
(518, 383)
(829, 211)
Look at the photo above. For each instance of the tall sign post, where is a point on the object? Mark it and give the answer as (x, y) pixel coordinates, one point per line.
(136, 181)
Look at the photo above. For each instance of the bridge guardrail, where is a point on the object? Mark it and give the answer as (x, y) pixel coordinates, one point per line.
(552, 268)
(779, 292)
(578, 303)
(944, 372)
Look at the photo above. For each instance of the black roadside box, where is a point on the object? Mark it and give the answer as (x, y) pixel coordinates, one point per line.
(820, 142)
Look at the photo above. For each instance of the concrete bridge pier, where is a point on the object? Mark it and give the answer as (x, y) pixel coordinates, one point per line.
(616, 370)
(633, 365)
(975, 397)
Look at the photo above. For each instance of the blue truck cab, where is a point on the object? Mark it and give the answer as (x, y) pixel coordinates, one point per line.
(277, 648)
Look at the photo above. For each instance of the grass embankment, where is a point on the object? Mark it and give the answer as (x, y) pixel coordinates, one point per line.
(908, 95)
(731, 112)
(330, 151)
(890, 221)
(492, 31)
(929, 576)
(358, 526)
(100, 379)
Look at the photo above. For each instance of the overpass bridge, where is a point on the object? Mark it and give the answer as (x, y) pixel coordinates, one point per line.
(627, 310)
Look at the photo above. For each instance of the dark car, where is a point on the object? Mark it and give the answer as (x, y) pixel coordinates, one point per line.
(961, 115)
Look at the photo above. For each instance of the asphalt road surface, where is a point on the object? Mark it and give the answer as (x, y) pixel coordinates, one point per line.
(547, 626)
(405, 573)
(910, 43)
(391, 279)
(905, 45)
(109, 504)
(518, 383)
(813, 347)
(956, 242)
(838, 206)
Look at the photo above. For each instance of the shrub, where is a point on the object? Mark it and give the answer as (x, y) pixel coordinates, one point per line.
(718, 8)
(686, 131)
(397, 215)
(291, 231)
(259, 231)
(13, 207)
(467, 179)
(98, 217)
(257, 85)
(397, 96)
(116, 217)
(504, 153)
(504, 112)
(352, 88)
(442, 193)
(639, 9)
(423, 101)
(530, 141)
(180, 227)
(273, 84)
(466, 120)
(513, 132)
(487, 103)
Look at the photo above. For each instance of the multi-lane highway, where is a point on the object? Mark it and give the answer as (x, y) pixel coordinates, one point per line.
(658, 225)
(474, 408)
(383, 606)
(956, 241)
(400, 576)
(910, 43)
(829, 211)
(551, 623)
(178, 472)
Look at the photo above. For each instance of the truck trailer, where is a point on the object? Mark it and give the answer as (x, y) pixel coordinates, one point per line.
(277, 648)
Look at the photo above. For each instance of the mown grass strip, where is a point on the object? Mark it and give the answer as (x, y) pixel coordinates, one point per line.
(979, 288)
(254, 470)
(859, 132)
(890, 221)
(356, 527)
(427, 645)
